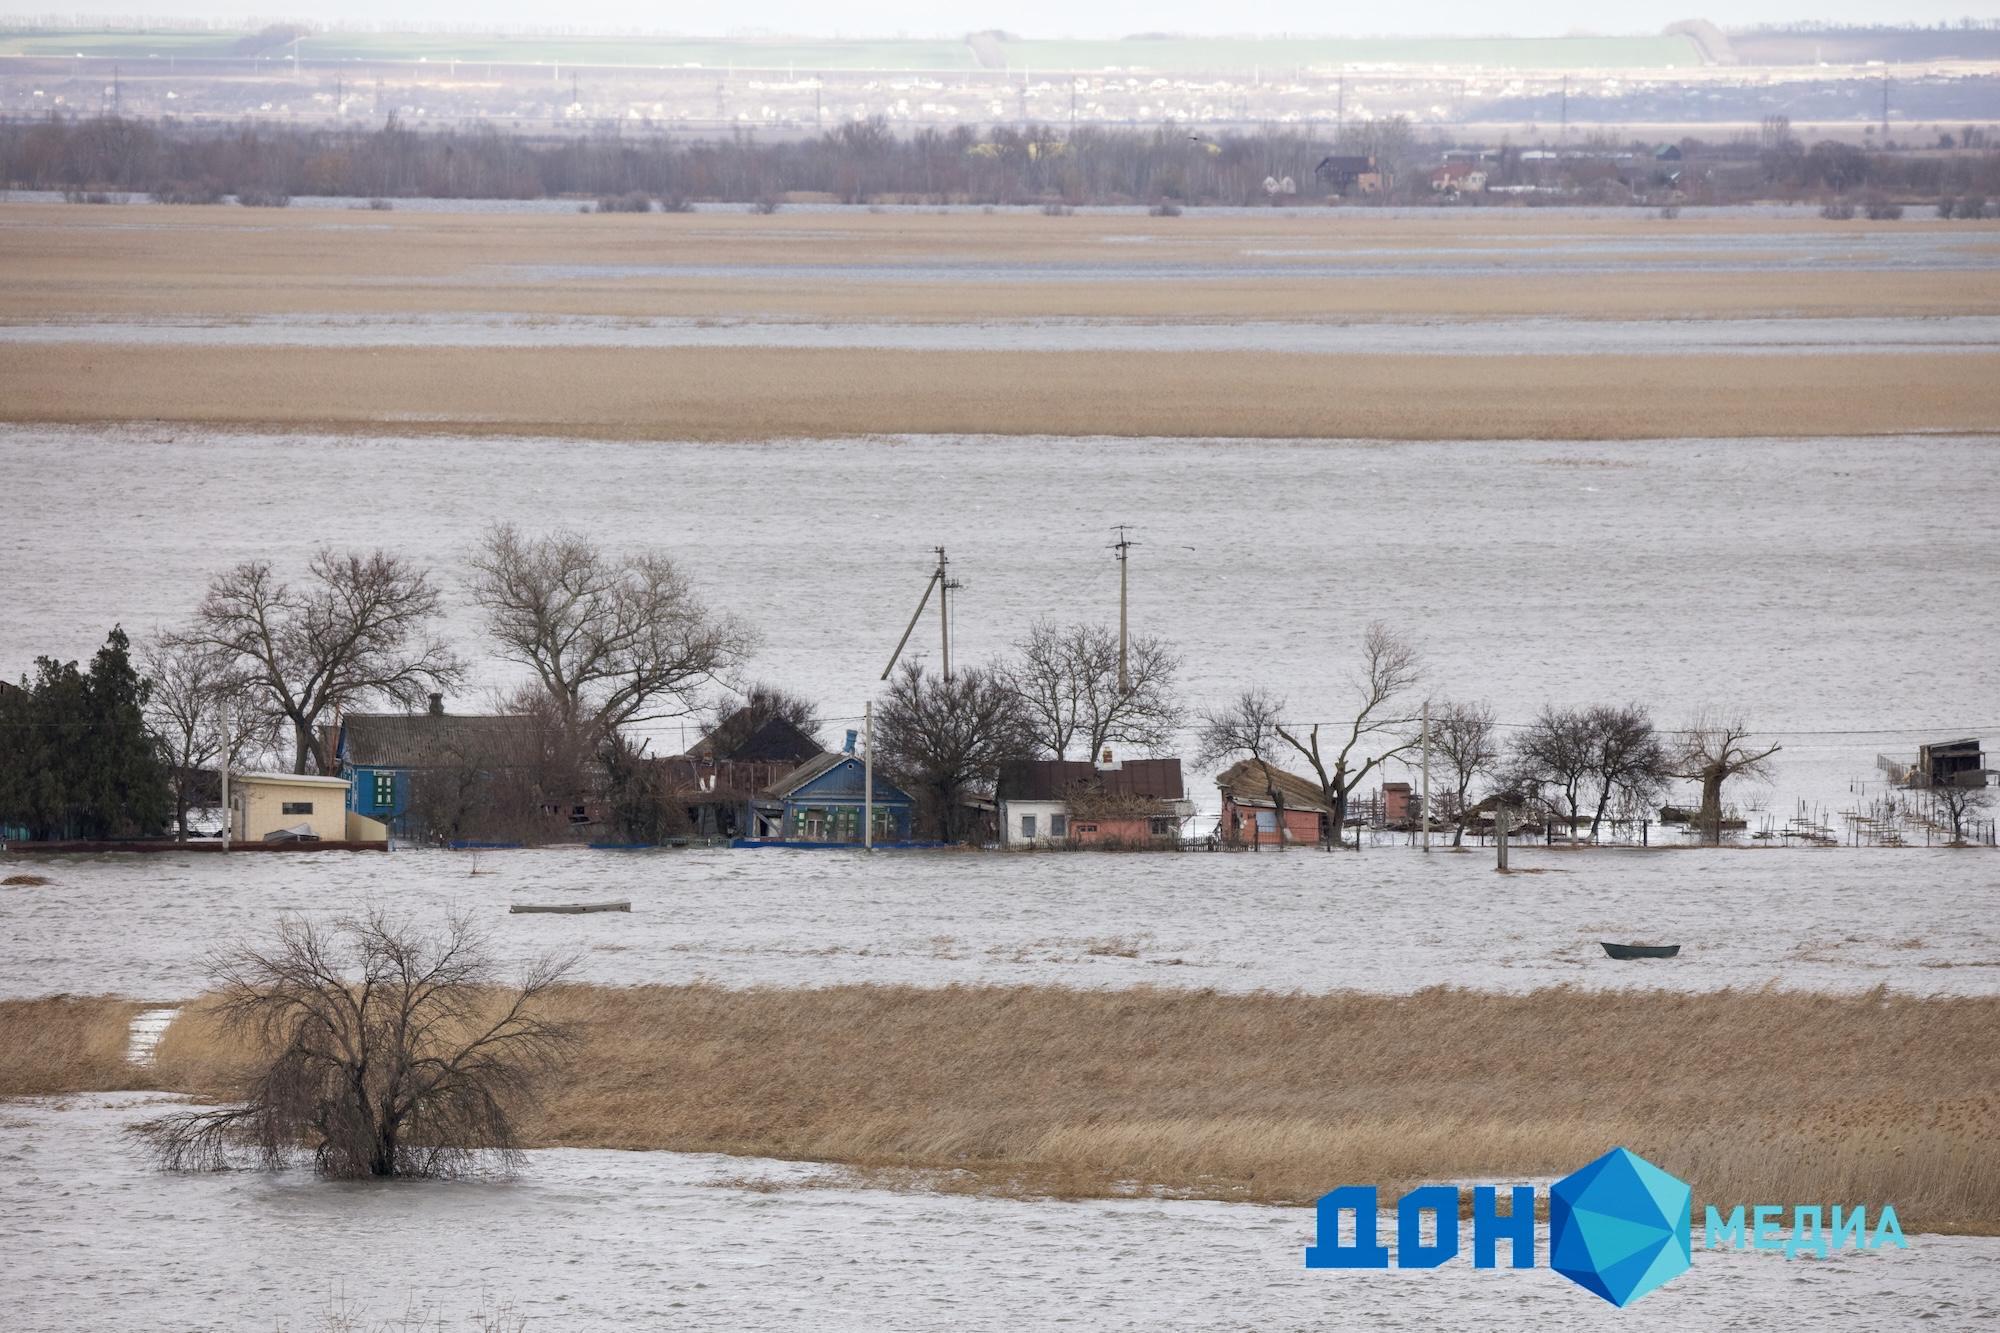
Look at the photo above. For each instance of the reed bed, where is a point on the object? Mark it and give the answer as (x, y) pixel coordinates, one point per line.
(67, 1043)
(764, 394)
(1755, 1097)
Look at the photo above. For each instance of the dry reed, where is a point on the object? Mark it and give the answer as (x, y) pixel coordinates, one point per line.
(67, 1043)
(1768, 1096)
(762, 394)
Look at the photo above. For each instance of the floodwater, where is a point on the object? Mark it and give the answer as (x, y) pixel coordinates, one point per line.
(591, 1239)
(1386, 920)
(1495, 337)
(1807, 584)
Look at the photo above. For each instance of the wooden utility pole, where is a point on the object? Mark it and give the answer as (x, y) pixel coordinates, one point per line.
(868, 776)
(1424, 799)
(1500, 832)
(1124, 547)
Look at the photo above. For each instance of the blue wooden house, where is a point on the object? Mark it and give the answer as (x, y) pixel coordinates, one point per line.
(384, 755)
(820, 802)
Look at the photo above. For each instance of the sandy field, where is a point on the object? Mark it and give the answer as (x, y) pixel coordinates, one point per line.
(77, 265)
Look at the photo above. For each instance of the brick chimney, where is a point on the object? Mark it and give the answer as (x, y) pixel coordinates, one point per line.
(437, 704)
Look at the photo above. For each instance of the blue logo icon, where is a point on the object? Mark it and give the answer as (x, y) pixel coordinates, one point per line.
(1620, 1227)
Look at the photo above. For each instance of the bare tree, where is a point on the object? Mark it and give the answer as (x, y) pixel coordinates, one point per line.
(614, 640)
(383, 1051)
(1627, 758)
(1067, 677)
(1713, 750)
(945, 738)
(360, 629)
(1248, 726)
(733, 719)
(193, 683)
(1555, 751)
(1380, 728)
(1464, 734)
(1957, 801)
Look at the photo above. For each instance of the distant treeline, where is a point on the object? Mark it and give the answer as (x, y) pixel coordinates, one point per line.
(867, 162)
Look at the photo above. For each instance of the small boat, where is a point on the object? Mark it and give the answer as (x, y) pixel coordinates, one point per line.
(1630, 951)
(571, 909)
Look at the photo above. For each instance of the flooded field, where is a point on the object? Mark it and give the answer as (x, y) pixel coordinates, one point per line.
(1803, 583)
(586, 1240)
(1916, 921)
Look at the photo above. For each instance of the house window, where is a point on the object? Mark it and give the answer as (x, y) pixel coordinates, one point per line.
(1267, 821)
(1163, 825)
(1086, 828)
(385, 790)
(296, 807)
(1058, 826)
(1027, 826)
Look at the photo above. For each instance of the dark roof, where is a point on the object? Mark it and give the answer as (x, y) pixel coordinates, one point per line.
(1055, 779)
(1250, 781)
(775, 740)
(429, 740)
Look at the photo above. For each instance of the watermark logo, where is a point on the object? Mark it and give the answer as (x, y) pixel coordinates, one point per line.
(1619, 1227)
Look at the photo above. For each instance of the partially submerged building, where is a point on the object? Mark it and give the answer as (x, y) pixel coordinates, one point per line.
(389, 757)
(822, 800)
(296, 807)
(1263, 805)
(1049, 802)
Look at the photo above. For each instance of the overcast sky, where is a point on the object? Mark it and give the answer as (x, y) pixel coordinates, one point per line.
(1048, 18)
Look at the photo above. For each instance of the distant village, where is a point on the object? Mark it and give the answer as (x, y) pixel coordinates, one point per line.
(1067, 741)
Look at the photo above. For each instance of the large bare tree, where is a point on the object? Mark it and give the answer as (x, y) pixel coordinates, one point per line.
(615, 640)
(943, 739)
(1379, 728)
(360, 628)
(1554, 752)
(1465, 736)
(1715, 748)
(1628, 760)
(1067, 677)
(193, 683)
(382, 1050)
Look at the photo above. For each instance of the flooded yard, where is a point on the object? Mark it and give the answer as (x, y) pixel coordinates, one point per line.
(1916, 921)
(589, 1239)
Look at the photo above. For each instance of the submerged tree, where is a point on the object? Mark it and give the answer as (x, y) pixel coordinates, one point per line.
(1465, 735)
(1957, 802)
(382, 1051)
(1713, 751)
(193, 684)
(1553, 757)
(614, 640)
(1068, 680)
(944, 739)
(1627, 758)
(360, 628)
(1379, 729)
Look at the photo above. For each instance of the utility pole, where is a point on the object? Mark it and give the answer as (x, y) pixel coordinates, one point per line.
(868, 776)
(1124, 547)
(1500, 832)
(1424, 806)
(945, 585)
(1885, 108)
(1562, 142)
(223, 711)
(1339, 112)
